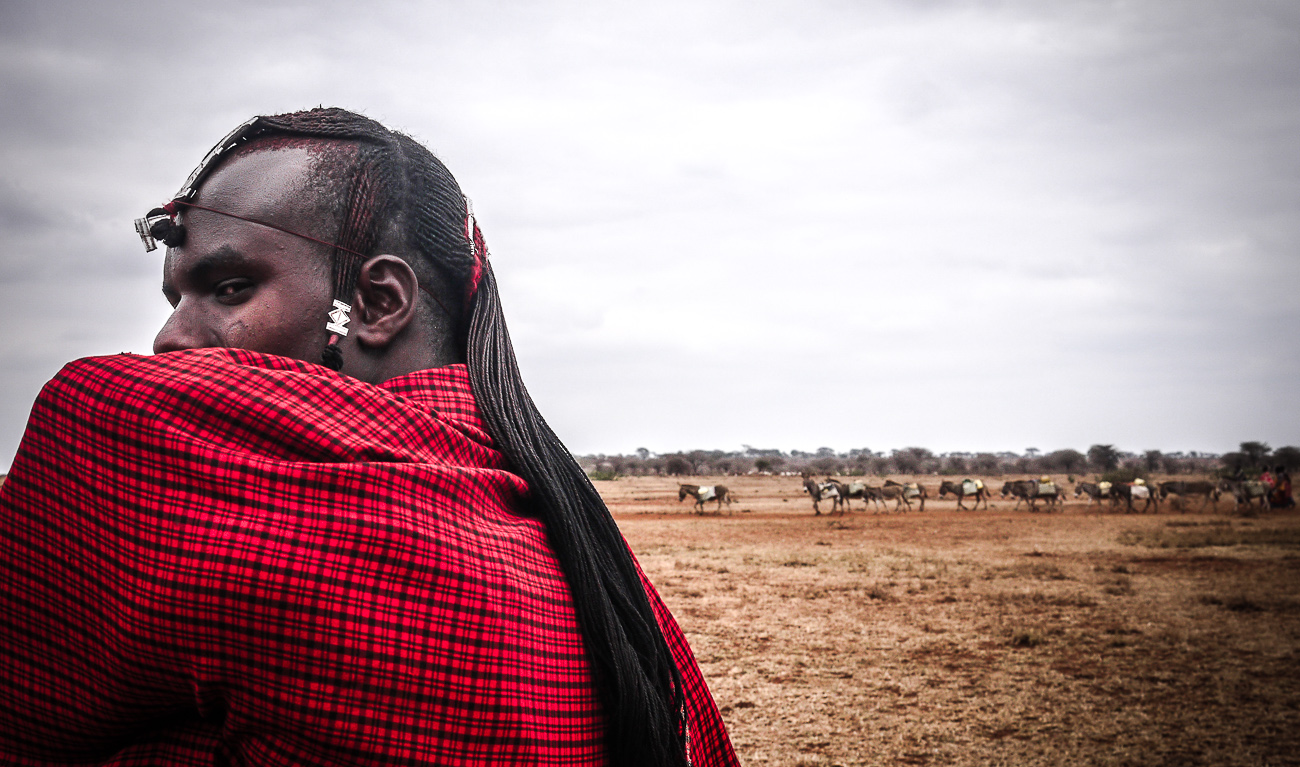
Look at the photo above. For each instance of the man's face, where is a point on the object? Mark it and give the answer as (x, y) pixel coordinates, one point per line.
(238, 284)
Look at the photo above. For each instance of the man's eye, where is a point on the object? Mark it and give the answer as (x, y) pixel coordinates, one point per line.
(233, 289)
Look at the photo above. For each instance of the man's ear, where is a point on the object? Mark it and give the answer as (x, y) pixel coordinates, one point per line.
(386, 298)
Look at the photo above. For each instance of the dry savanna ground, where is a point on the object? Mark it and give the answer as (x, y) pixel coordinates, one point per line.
(1081, 637)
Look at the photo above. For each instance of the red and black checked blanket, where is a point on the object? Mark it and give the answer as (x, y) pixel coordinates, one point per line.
(222, 557)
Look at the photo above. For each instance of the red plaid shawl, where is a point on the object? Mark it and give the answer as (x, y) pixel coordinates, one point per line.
(217, 556)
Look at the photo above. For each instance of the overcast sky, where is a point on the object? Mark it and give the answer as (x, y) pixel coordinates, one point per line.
(961, 225)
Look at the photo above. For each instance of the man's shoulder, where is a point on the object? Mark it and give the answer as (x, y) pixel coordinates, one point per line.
(261, 404)
(196, 374)
(192, 364)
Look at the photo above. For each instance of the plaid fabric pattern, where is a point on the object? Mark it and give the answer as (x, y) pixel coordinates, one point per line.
(221, 557)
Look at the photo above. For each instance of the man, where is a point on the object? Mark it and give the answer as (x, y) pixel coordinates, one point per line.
(1280, 496)
(228, 553)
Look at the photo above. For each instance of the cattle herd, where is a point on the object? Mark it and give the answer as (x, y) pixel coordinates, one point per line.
(1035, 494)
(1043, 493)
(1132, 496)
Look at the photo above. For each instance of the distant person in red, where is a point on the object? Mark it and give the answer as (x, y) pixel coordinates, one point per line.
(1280, 497)
(228, 553)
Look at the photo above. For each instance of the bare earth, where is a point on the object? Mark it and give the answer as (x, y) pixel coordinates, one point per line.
(1083, 637)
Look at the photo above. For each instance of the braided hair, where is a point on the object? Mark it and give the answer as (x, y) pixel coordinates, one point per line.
(390, 194)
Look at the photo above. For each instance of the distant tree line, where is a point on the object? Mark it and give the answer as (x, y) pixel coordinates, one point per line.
(1099, 459)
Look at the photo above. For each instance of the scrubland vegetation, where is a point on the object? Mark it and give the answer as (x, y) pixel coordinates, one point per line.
(1101, 459)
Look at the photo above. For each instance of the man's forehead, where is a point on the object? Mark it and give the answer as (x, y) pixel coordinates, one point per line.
(281, 187)
(273, 185)
(263, 181)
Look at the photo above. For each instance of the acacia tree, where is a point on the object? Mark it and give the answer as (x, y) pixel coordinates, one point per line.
(1069, 461)
(676, 466)
(1235, 463)
(827, 464)
(905, 462)
(1288, 457)
(1255, 452)
(1103, 457)
(1153, 459)
(986, 464)
(913, 460)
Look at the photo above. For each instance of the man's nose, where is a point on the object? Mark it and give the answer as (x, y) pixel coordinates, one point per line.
(181, 331)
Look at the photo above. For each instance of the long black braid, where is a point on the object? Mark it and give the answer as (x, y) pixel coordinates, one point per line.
(391, 193)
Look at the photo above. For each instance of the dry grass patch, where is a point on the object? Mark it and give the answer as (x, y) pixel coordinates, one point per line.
(989, 638)
(1189, 536)
(1118, 587)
